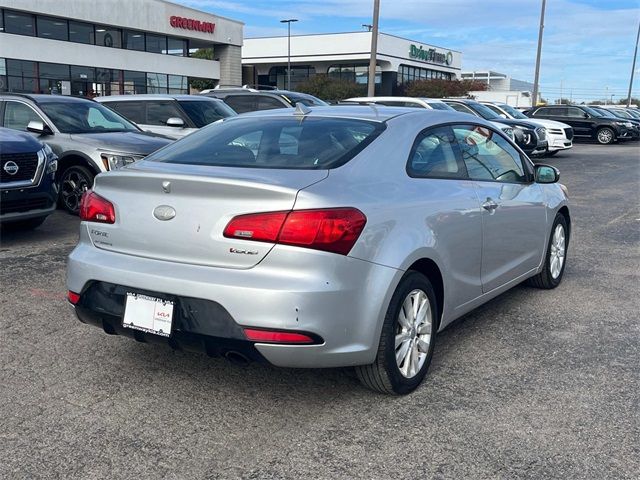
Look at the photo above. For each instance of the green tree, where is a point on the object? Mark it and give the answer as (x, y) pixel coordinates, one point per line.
(441, 88)
(202, 83)
(331, 89)
(634, 101)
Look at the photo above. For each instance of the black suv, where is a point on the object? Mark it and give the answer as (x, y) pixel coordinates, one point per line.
(245, 99)
(28, 191)
(530, 137)
(586, 122)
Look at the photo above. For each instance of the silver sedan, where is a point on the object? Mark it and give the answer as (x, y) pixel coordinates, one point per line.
(320, 237)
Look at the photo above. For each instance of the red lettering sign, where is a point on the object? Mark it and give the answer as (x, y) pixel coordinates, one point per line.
(191, 24)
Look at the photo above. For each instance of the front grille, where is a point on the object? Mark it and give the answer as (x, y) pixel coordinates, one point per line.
(23, 205)
(569, 133)
(555, 131)
(27, 165)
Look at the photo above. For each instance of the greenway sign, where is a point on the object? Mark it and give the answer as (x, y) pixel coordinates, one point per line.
(430, 55)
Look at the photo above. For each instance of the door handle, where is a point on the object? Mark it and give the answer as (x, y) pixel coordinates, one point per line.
(490, 205)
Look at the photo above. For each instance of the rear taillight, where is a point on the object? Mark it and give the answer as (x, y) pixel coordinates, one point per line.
(280, 336)
(73, 297)
(94, 208)
(331, 230)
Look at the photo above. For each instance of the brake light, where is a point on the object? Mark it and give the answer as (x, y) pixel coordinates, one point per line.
(278, 336)
(73, 297)
(94, 208)
(332, 230)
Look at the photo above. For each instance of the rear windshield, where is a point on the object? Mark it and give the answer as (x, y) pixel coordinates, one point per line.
(275, 142)
(308, 100)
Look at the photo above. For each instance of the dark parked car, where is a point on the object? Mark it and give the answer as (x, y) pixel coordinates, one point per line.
(611, 113)
(28, 192)
(243, 99)
(530, 137)
(88, 138)
(586, 122)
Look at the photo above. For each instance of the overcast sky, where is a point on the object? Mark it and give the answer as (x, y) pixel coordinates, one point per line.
(588, 44)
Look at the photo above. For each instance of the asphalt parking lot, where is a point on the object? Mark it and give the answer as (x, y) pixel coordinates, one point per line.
(535, 384)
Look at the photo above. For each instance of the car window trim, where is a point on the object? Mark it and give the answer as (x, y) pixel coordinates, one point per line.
(464, 174)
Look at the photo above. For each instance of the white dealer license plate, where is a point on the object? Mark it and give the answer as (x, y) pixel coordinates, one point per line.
(148, 314)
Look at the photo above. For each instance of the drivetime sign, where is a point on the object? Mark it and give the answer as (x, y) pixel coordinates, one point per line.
(191, 24)
(430, 55)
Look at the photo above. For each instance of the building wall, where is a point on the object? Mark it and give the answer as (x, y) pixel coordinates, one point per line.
(230, 57)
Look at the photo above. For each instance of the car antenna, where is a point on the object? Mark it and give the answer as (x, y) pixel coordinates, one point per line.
(301, 109)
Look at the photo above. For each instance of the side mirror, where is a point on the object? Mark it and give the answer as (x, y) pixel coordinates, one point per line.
(586, 115)
(503, 115)
(547, 174)
(175, 122)
(37, 126)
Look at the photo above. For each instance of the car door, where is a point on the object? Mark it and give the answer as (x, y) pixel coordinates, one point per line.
(448, 205)
(580, 120)
(158, 112)
(513, 207)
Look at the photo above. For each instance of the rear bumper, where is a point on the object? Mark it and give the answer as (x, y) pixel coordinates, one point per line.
(340, 299)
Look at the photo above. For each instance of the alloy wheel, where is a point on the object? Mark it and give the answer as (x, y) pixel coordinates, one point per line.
(557, 251)
(605, 136)
(74, 184)
(413, 333)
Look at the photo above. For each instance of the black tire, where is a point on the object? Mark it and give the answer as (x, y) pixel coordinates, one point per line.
(605, 136)
(545, 279)
(29, 224)
(384, 374)
(73, 182)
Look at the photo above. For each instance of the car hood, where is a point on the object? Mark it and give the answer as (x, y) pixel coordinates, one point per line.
(516, 121)
(549, 123)
(17, 142)
(142, 143)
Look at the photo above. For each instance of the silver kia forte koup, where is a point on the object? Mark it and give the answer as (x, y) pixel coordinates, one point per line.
(320, 237)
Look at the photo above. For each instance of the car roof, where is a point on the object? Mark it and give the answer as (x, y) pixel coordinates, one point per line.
(46, 98)
(154, 96)
(394, 99)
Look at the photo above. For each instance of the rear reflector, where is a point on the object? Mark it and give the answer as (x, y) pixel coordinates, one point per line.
(275, 336)
(73, 297)
(94, 208)
(332, 230)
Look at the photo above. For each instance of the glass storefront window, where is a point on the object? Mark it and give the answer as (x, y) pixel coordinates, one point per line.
(134, 82)
(1, 21)
(21, 68)
(133, 40)
(52, 28)
(81, 32)
(178, 84)
(54, 71)
(108, 36)
(177, 47)
(19, 23)
(156, 83)
(299, 74)
(357, 73)
(156, 43)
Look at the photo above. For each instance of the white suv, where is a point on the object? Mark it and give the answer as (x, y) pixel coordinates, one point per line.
(559, 135)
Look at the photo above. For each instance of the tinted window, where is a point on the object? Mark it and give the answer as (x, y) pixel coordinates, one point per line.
(461, 108)
(18, 115)
(177, 46)
(52, 28)
(434, 155)
(159, 112)
(308, 100)
(287, 143)
(156, 83)
(83, 73)
(203, 113)
(19, 23)
(80, 32)
(488, 156)
(485, 112)
(156, 43)
(439, 106)
(133, 40)
(242, 103)
(550, 112)
(134, 111)
(135, 82)
(574, 112)
(54, 71)
(108, 37)
(269, 103)
(85, 117)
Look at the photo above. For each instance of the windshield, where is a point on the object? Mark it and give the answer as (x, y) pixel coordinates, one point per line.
(633, 113)
(622, 113)
(204, 112)
(308, 100)
(592, 112)
(85, 117)
(484, 111)
(602, 112)
(439, 106)
(514, 112)
(274, 142)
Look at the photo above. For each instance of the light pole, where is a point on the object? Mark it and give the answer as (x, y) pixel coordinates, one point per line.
(537, 74)
(633, 67)
(289, 21)
(371, 82)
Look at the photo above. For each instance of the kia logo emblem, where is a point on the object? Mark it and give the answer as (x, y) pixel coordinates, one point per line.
(11, 168)
(164, 212)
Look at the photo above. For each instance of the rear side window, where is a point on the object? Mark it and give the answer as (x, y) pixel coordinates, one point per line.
(159, 112)
(434, 155)
(134, 111)
(269, 103)
(18, 115)
(461, 108)
(242, 103)
(276, 142)
(550, 112)
(204, 112)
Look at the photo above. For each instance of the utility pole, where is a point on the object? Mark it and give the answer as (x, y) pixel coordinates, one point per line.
(536, 80)
(289, 21)
(371, 82)
(633, 67)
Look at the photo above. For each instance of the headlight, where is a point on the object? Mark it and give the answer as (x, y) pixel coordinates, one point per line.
(542, 133)
(509, 132)
(113, 161)
(50, 158)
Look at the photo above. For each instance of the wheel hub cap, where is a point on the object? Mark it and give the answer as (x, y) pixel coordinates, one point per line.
(413, 333)
(558, 248)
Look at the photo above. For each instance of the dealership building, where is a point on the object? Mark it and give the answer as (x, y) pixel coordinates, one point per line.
(114, 47)
(346, 55)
